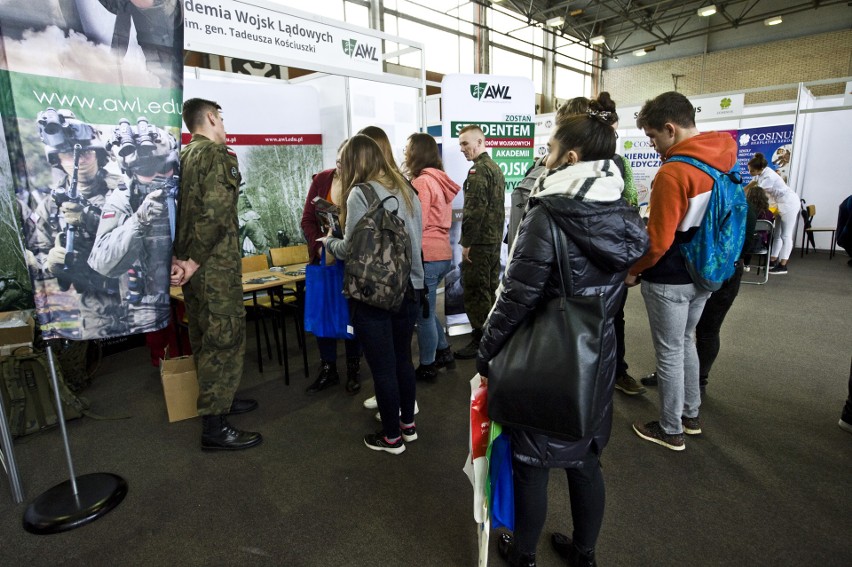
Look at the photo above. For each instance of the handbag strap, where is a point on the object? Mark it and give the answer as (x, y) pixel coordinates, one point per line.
(558, 249)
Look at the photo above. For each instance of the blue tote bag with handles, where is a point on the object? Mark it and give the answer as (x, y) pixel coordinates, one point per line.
(326, 309)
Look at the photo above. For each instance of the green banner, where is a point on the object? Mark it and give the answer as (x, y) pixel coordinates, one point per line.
(95, 103)
(497, 129)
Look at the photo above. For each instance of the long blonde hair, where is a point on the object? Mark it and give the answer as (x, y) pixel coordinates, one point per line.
(362, 161)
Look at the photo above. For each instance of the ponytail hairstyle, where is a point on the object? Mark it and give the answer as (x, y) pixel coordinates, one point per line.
(758, 162)
(590, 134)
(362, 161)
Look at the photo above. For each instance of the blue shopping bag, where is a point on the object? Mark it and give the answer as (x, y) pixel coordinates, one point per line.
(326, 309)
(502, 487)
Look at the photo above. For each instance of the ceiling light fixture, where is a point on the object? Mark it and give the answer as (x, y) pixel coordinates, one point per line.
(575, 13)
(640, 53)
(555, 22)
(773, 21)
(598, 40)
(707, 11)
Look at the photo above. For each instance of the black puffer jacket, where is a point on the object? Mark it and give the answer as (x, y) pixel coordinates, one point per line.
(603, 241)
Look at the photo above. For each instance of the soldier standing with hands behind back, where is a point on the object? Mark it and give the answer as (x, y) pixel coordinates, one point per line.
(207, 264)
(482, 233)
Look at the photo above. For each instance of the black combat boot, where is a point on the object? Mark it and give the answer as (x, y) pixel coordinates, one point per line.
(444, 358)
(469, 351)
(563, 545)
(242, 405)
(426, 372)
(219, 435)
(506, 549)
(327, 377)
(353, 375)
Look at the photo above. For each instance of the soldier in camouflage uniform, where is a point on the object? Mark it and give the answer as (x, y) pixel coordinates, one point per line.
(207, 250)
(482, 233)
(250, 228)
(134, 236)
(71, 284)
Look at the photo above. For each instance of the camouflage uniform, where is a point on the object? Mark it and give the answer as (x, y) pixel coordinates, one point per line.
(208, 232)
(134, 241)
(482, 231)
(98, 298)
(126, 245)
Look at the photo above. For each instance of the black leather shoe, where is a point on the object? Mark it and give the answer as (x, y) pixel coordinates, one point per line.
(427, 372)
(327, 377)
(566, 549)
(242, 406)
(353, 375)
(219, 435)
(506, 549)
(444, 358)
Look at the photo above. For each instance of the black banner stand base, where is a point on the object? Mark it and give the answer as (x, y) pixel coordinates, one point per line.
(59, 509)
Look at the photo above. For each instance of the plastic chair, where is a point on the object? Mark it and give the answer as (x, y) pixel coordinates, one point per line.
(808, 213)
(761, 245)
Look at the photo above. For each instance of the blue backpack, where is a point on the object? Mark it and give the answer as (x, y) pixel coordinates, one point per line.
(712, 253)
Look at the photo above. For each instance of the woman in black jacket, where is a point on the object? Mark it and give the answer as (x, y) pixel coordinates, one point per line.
(603, 236)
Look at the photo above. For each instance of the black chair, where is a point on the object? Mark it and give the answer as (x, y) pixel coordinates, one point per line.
(808, 213)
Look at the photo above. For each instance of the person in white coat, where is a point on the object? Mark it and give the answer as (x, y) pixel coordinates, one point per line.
(788, 208)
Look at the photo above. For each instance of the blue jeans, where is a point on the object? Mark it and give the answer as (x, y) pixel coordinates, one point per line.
(386, 339)
(430, 332)
(674, 312)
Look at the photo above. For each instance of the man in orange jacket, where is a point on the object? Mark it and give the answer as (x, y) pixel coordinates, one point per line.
(679, 197)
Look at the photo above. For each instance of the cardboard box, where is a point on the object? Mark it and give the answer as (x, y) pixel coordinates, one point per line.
(180, 387)
(16, 328)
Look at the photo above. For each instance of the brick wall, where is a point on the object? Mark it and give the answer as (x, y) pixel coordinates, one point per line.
(811, 58)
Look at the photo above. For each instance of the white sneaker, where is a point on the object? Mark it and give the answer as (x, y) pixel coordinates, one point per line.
(746, 268)
(370, 403)
(379, 414)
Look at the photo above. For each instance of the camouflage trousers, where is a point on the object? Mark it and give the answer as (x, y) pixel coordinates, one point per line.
(217, 334)
(480, 278)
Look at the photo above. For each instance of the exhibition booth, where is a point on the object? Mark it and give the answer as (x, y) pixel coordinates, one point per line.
(110, 97)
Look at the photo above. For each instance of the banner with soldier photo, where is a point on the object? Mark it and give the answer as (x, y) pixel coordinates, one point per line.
(279, 151)
(90, 96)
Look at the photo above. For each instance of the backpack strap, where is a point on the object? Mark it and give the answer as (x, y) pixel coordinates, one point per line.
(714, 173)
(373, 197)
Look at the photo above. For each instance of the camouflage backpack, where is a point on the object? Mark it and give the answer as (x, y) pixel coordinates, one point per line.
(378, 265)
(28, 397)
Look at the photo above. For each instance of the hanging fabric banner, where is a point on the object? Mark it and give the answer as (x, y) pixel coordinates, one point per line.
(91, 100)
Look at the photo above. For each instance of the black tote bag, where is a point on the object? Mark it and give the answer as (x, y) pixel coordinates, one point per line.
(547, 378)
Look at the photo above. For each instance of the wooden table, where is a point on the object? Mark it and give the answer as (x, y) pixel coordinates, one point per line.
(270, 280)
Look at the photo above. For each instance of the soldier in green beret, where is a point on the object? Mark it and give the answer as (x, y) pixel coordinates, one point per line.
(207, 260)
(482, 233)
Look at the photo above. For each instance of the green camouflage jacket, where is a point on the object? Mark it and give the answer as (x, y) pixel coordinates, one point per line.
(484, 209)
(207, 225)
